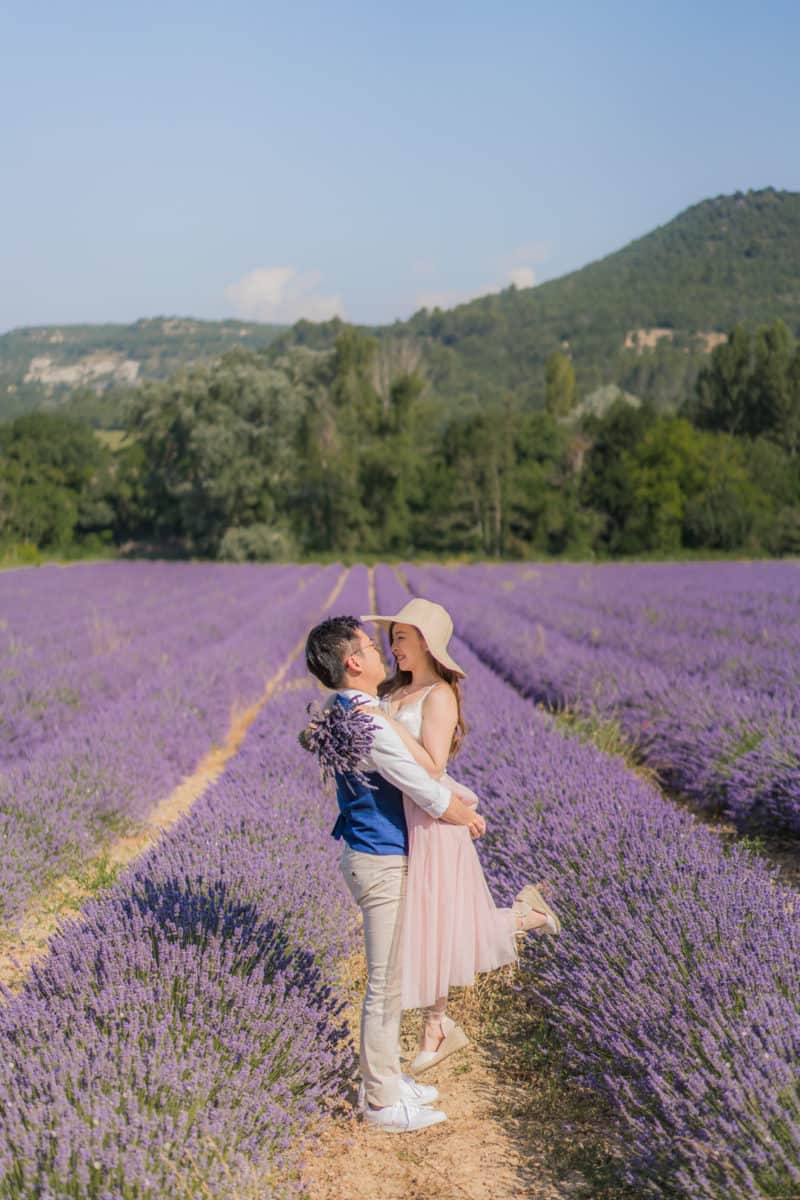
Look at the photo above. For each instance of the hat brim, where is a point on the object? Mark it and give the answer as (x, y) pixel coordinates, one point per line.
(441, 656)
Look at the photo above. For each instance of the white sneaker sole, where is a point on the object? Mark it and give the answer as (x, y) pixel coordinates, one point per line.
(436, 1120)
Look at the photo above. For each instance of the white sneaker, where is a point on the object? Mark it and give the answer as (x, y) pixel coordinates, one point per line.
(402, 1117)
(411, 1091)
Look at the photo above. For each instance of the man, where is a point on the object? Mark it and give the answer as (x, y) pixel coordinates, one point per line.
(374, 862)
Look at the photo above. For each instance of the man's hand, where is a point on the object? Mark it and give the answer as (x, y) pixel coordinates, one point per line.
(464, 794)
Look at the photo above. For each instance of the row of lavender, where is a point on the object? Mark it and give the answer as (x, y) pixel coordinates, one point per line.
(734, 749)
(72, 641)
(115, 760)
(184, 1038)
(737, 621)
(675, 984)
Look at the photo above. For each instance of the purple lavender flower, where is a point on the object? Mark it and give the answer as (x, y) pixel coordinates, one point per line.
(340, 735)
(190, 1031)
(674, 985)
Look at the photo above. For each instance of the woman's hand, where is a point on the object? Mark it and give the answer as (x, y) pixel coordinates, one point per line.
(477, 828)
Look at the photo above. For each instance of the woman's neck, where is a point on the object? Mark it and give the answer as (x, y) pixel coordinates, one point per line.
(422, 677)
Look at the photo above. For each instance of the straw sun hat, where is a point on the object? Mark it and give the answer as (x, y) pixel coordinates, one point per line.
(432, 621)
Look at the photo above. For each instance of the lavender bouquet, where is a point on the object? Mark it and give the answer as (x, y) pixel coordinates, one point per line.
(341, 737)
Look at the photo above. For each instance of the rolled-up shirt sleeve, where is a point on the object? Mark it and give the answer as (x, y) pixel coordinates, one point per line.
(393, 760)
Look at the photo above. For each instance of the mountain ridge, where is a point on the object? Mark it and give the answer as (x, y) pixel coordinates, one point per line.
(643, 317)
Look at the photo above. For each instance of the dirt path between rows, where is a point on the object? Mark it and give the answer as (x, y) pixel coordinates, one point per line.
(61, 900)
(515, 1130)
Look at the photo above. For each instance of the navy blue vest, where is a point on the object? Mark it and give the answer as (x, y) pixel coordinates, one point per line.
(370, 819)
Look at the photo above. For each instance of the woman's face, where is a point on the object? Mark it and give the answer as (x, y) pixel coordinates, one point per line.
(408, 647)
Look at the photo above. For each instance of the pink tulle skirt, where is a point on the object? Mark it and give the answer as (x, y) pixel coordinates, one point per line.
(452, 929)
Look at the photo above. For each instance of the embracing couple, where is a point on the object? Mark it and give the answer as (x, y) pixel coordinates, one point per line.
(409, 860)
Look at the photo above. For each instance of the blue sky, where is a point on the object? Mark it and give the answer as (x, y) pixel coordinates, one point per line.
(271, 161)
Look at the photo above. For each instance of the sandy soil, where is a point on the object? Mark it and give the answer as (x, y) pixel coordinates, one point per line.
(514, 1130)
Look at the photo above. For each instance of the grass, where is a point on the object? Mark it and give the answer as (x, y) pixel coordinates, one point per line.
(774, 849)
(604, 732)
(97, 875)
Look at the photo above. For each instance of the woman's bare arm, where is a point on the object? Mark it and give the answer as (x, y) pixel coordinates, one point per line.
(439, 718)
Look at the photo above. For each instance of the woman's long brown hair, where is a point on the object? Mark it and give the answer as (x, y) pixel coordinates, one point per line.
(403, 678)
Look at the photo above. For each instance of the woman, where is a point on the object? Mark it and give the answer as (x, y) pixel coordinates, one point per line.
(452, 928)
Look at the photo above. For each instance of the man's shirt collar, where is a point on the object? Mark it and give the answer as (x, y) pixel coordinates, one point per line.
(356, 694)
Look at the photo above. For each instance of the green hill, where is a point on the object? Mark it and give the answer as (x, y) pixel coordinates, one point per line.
(644, 318)
(52, 366)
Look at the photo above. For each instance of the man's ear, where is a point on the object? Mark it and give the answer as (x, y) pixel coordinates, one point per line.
(354, 665)
(349, 664)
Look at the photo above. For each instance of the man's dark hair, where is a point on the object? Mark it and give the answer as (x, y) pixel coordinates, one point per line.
(327, 647)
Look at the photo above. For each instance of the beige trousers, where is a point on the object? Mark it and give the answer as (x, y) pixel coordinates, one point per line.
(377, 883)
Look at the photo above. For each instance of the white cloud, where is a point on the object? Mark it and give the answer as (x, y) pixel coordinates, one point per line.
(522, 277)
(282, 295)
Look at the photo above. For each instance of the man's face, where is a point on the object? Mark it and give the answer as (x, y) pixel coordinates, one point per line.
(364, 663)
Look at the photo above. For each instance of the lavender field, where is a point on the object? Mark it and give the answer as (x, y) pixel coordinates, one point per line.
(115, 679)
(186, 1037)
(699, 663)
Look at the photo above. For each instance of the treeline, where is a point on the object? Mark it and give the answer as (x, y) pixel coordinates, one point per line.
(348, 451)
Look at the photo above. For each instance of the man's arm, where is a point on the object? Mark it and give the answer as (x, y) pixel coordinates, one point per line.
(394, 761)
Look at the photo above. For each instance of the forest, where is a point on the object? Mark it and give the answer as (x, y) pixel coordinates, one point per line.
(350, 451)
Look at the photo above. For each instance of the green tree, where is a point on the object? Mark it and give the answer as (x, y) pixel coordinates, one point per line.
(542, 500)
(752, 386)
(728, 509)
(772, 403)
(340, 417)
(391, 467)
(664, 469)
(217, 448)
(690, 488)
(560, 389)
(606, 484)
(55, 481)
(722, 392)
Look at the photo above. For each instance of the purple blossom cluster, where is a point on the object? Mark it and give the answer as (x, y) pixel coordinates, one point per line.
(183, 1039)
(674, 988)
(73, 641)
(340, 737)
(123, 752)
(699, 663)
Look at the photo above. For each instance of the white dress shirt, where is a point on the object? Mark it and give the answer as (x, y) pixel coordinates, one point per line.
(392, 759)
